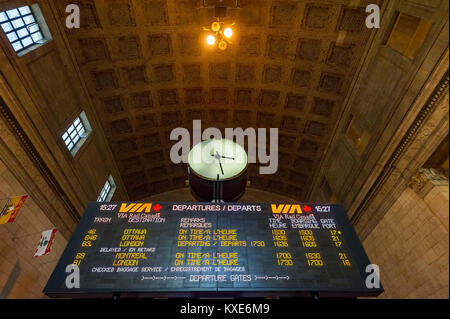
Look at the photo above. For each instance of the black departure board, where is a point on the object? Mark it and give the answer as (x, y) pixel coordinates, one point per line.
(212, 249)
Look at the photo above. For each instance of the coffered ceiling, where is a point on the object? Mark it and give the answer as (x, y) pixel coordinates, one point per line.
(149, 70)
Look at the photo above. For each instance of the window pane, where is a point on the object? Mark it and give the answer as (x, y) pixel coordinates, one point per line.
(7, 27)
(33, 28)
(28, 19)
(3, 16)
(27, 41)
(74, 133)
(80, 127)
(14, 13)
(25, 10)
(17, 46)
(37, 37)
(22, 32)
(12, 36)
(17, 23)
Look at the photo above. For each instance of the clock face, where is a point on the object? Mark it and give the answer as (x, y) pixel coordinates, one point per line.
(218, 159)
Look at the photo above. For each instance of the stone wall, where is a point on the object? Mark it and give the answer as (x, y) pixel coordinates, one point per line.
(399, 108)
(411, 244)
(21, 274)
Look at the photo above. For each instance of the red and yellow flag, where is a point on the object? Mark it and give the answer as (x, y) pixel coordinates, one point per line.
(11, 209)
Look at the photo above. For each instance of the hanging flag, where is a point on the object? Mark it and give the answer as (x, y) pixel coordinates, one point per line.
(45, 244)
(11, 209)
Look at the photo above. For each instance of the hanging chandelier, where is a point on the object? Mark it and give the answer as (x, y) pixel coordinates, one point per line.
(219, 34)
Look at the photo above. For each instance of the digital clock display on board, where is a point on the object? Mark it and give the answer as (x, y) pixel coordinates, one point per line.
(195, 249)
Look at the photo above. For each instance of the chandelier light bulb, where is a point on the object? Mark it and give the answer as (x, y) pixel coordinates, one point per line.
(210, 39)
(215, 26)
(223, 45)
(228, 32)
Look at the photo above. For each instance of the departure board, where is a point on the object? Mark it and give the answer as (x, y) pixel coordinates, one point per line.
(212, 249)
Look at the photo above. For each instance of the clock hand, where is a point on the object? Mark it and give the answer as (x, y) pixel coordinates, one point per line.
(220, 163)
(218, 156)
(221, 168)
(231, 158)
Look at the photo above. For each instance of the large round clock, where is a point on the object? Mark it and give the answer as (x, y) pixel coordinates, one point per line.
(218, 170)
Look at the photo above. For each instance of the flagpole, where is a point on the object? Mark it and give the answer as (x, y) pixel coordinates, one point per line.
(8, 198)
(4, 208)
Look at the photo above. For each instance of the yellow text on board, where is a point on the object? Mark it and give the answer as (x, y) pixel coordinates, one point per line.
(286, 209)
(135, 208)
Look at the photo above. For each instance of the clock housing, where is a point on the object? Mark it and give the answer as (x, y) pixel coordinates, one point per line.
(218, 170)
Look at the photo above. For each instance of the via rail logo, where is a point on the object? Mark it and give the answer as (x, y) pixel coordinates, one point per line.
(140, 208)
(290, 209)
